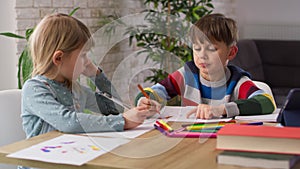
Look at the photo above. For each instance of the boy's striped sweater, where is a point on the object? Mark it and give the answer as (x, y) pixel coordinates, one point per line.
(185, 87)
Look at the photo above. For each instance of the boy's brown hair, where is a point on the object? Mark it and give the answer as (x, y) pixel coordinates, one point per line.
(215, 27)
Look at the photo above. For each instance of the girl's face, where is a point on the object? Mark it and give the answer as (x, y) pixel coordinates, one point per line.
(72, 65)
(212, 58)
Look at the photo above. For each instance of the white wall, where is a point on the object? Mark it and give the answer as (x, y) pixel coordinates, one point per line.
(8, 46)
(273, 19)
(254, 17)
(269, 11)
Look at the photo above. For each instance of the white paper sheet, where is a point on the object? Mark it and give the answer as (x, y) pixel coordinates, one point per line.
(128, 134)
(69, 149)
(168, 113)
(178, 114)
(263, 118)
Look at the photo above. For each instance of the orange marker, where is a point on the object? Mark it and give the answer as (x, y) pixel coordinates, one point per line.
(145, 94)
(143, 91)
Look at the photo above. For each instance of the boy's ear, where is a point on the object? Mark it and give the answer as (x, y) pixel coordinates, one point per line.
(233, 52)
(57, 57)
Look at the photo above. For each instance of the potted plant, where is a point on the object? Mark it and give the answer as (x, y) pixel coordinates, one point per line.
(161, 38)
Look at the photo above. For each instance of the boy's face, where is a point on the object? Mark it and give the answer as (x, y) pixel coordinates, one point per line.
(212, 58)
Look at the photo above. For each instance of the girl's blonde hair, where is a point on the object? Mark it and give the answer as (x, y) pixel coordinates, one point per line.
(55, 32)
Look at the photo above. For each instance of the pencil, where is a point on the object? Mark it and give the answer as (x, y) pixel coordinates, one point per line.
(143, 91)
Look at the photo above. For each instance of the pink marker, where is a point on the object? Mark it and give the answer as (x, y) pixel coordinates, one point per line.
(192, 135)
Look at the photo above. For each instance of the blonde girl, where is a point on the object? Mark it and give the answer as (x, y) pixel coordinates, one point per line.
(58, 48)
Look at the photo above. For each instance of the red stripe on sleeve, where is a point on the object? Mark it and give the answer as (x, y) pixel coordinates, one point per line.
(246, 89)
(178, 81)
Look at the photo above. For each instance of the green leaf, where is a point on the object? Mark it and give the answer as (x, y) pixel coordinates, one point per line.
(91, 84)
(19, 69)
(28, 33)
(73, 11)
(87, 111)
(12, 35)
(210, 5)
(26, 66)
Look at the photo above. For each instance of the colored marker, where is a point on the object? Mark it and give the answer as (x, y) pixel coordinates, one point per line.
(204, 127)
(145, 94)
(197, 127)
(204, 131)
(207, 129)
(163, 131)
(252, 123)
(205, 123)
(192, 135)
(166, 125)
(185, 134)
(161, 126)
(143, 91)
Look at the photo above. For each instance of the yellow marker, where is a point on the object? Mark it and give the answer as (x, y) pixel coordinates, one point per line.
(166, 125)
(204, 126)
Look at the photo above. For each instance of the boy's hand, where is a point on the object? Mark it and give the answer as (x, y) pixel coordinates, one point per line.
(136, 116)
(205, 111)
(151, 104)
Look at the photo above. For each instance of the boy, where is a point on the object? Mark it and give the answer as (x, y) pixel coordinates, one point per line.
(208, 82)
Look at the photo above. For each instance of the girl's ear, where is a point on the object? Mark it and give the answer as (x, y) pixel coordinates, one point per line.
(57, 57)
(233, 52)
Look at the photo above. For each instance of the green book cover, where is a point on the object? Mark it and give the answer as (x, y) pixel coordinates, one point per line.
(259, 155)
(257, 159)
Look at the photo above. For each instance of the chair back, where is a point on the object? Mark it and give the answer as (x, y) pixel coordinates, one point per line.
(10, 122)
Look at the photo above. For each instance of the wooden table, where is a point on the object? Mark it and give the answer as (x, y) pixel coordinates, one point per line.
(150, 151)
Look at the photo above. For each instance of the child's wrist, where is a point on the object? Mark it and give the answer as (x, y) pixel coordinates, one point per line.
(223, 110)
(99, 70)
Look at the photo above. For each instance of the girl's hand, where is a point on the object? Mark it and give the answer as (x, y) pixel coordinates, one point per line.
(152, 104)
(136, 116)
(205, 111)
(90, 68)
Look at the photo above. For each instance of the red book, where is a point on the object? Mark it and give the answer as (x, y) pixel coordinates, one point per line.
(269, 139)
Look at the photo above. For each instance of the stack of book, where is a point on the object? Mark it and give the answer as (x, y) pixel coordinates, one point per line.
(259, 146)
(255, 159)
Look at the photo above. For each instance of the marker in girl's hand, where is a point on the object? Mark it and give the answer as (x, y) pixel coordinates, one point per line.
(146, 95)
(143, 91)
